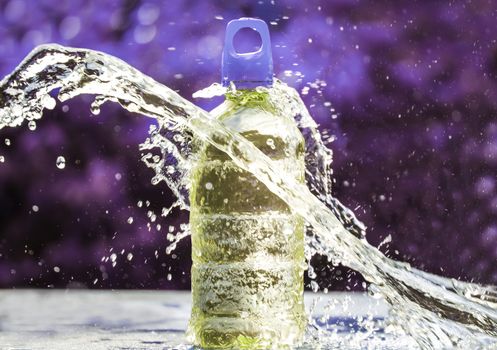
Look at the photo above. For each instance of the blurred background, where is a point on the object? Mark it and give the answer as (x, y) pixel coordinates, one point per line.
(409, 89)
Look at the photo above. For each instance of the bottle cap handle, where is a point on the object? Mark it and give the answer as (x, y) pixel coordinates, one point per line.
(251, 69)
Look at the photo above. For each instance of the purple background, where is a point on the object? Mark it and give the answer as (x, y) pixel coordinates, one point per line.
(413, 83)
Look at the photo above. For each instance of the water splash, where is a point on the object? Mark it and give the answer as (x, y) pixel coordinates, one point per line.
(435, 311)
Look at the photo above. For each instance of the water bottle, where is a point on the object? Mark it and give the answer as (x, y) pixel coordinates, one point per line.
(247, 245)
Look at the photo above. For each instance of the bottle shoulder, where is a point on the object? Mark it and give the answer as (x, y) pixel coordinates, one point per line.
(257, 119)
(274, 134)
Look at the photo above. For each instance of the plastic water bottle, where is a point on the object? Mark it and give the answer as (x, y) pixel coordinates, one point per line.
(247, 246)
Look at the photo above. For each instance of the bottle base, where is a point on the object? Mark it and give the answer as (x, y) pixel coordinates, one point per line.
(235, 333)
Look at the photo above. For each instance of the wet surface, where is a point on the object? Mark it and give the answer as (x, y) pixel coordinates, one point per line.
(136, 320)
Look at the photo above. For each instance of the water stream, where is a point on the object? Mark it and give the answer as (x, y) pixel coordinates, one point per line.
(436, 312)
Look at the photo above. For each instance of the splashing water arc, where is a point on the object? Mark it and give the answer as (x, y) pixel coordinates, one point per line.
(436, 312)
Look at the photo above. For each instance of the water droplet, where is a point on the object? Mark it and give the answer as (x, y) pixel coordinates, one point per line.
(155, 180)
(169, 277)
(35, 208)
(209, 186)
(48, 102)
(270, 143)
(32, 125)
(129, 256)
(139, 204)
(314, 286)
(61, 162)
(118, 176)
(2, 159)
(95, 106)
(7, 142)
(311, 273)
(56, 269)
(130, 220)
(95, 110)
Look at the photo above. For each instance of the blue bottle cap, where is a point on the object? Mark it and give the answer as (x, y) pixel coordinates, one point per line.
(252, 69)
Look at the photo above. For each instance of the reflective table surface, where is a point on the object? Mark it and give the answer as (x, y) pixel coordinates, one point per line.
(151, 320)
